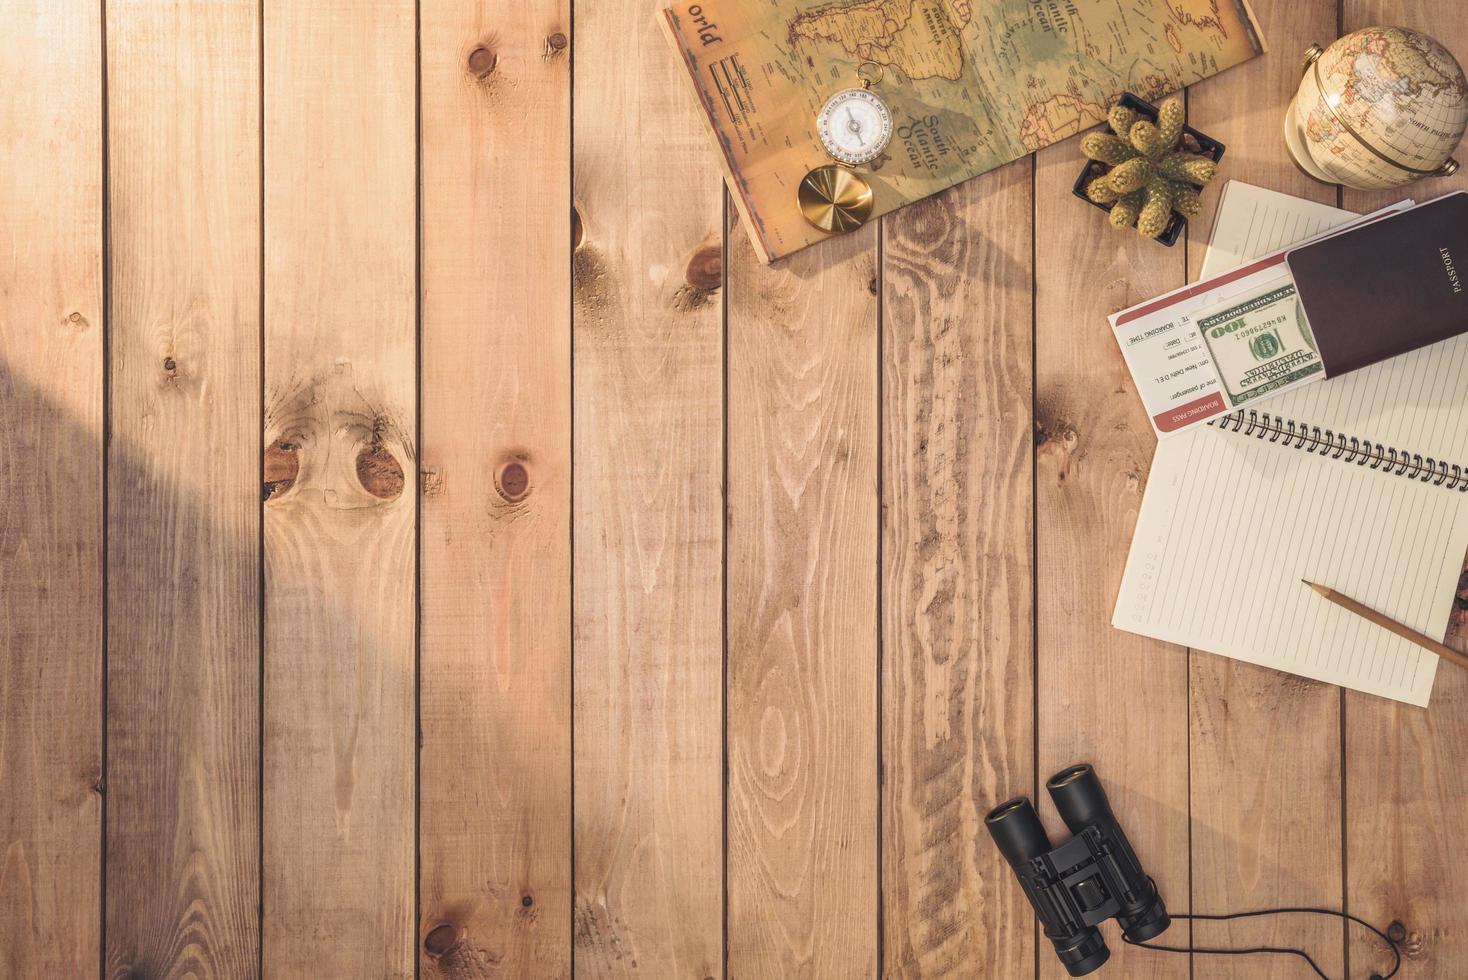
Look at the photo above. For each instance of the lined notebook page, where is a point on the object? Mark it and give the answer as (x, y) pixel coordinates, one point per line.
(1230, 524)
(1253, 221)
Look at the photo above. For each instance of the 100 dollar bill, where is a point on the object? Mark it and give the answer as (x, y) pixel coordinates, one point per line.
(1237, 336)
(1260, 343)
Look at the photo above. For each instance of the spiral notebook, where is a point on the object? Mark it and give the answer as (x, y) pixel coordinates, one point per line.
(1359, 483)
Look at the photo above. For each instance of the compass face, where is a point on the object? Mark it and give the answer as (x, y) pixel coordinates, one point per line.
(855, 125)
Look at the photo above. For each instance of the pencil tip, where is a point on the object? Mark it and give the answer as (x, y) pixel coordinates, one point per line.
(1305, 581)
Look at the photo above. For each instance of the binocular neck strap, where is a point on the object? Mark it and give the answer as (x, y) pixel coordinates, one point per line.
(1392, 943)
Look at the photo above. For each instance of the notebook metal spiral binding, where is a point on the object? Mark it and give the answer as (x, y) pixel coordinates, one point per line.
(1337, 445)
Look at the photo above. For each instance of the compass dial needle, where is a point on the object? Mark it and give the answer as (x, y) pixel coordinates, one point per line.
(854, 126)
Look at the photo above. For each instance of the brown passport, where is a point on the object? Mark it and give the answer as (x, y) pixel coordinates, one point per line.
(1388, 287)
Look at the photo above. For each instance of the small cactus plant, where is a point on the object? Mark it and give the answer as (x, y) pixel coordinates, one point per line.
(1152, 173)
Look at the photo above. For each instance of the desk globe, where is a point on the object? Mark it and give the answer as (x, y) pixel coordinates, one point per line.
(1379, 108)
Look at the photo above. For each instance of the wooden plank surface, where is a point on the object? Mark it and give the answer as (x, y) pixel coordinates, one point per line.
(802, 566)
(496, 551)
(1265, 746)
(51, 490)
(877, 398)
(649, 511)
(1405, 785)
(340, 373)
(1106, 697)
(957, 571)
(183, 572)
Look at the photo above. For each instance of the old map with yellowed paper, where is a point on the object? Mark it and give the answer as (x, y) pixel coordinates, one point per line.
(971, 85)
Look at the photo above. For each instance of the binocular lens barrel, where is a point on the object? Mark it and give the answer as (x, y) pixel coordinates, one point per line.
(1016, 828)
(1079, 797)
(1092, 877)
(1082, 803)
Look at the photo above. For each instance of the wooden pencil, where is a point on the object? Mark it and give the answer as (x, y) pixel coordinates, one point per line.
(1366, 612)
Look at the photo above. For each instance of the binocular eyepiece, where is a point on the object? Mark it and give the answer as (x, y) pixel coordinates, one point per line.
(1090, 878)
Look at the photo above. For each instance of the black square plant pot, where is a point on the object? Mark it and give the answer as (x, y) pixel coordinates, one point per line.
(1193, 142)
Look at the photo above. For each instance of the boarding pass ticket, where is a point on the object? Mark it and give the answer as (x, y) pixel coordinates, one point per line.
(1222, 343)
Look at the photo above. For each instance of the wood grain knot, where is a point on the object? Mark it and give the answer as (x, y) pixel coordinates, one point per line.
(1056, 442)
(482, 62)
(379, 472)
(440, 939)
(934, 226)
(170, 367)
(282, 466)
(555, 44)
(456, 958)
(513, 481)
(526, 900)
(78, 321)
(1396, 932)
(575, 228)
(706, 267)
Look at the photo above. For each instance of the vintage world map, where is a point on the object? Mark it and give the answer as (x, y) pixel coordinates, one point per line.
(971, 85)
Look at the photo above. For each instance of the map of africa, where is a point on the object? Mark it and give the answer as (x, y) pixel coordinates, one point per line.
(971, 85)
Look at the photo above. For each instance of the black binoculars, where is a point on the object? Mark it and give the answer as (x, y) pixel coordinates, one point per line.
(1085, 881)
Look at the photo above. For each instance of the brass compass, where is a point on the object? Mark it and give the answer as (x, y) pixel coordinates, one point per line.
(835, 199)
(854, 126)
